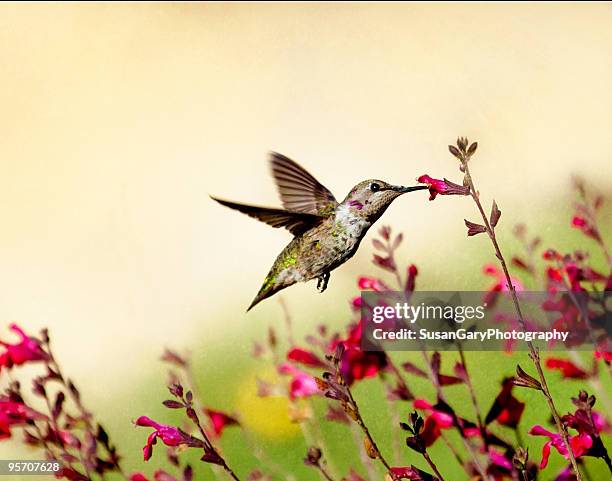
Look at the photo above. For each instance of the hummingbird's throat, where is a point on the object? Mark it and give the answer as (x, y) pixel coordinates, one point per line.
(350, 220)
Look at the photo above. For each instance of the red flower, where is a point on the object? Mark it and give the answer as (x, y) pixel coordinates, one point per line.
(27, 349)
(161, 475)
(575, 275)
(435, 422)
(569, 318)
(357, 303)
(500, 284)
(566, 474)
(587, 228)
(580, 444)
(138, 477)
(605, 355)
(371, 284)
(411, 278)
(170, 435)
(554, 274)
(506, 409)
(219, 420)
(410, 472)
(601, 423)
(442, 187)
(14, 413)
(357, 364)
(551, 255)
(500, 467)
(568, 369)
(305, 357)
(71, 474)
(302, 384)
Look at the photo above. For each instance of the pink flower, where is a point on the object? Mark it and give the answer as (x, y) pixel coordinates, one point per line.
(500, 284)
(357, 303)
(138, 477)
(554, 274)
(68, 439)
(14, 413)
(302, 384)
(580, 444)
(410, 472)
(587, 228)
(26, 350)
(601, 423)
(357, 364)
(443, 419)
(566, 474)
(442, 187)
(434, 423)
(305, 357)
(371, 284)
(219, 420)
(568, 369)
(506, 409)
(170, 435)
(605, 355)
(411, 278)
(498, 460)
(551, 255)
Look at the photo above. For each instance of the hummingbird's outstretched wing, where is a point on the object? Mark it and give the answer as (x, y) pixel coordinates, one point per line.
(294, 222)
(300, 191)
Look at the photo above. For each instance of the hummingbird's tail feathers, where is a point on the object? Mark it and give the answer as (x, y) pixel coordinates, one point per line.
(295, 222)
(267, 290)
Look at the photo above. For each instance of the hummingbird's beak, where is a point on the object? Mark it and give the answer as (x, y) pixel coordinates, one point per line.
(403, 189)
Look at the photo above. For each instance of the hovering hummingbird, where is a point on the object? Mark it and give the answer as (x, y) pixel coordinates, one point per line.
(326, 232)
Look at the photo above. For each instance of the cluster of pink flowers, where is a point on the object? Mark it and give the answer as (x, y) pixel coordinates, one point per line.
(27, 349)
(61, 427)
(326, 367)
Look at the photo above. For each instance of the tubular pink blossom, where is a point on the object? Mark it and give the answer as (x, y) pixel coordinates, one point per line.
(442, 187)
(13, 413)
(302, 356)
(26, 350)
(302, 384)
(580, 444)
(220, 420)
(568, 369)
(371, 284)
(138, 477)
(170, 435)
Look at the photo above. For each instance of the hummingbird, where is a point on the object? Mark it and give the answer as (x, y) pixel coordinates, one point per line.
(327, 233)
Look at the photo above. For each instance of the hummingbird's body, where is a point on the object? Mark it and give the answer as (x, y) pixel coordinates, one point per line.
(327, 233)
(316, 252)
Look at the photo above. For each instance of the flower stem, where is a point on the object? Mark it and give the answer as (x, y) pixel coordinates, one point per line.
(324, 472)
(440, 394)
(453, 450)
(468, 382)
(224, 464)
(365, 459)
(533, 352)
(433, 465)
(366, 431)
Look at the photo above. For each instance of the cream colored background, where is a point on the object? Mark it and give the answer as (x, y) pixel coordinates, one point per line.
(118, 120)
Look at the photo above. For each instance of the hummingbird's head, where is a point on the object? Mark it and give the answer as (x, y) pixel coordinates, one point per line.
(371, 198)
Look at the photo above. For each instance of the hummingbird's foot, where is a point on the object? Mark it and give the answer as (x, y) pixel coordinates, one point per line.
(322, 282)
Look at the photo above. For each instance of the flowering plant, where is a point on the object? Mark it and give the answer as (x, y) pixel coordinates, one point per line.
(328, 366)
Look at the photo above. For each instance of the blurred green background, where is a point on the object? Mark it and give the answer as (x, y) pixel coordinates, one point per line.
(121, 119)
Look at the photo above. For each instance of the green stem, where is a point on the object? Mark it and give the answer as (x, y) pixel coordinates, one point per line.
(534, 354)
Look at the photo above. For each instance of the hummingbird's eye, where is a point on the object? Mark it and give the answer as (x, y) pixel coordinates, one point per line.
(374, 187)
